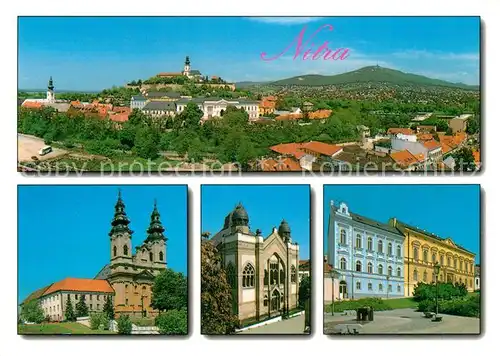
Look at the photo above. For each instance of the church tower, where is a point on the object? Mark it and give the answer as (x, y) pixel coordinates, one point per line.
(120, 234)
(156, 239)
(187, 67)
(50, 91)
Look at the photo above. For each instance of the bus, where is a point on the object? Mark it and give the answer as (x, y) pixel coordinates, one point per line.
(45, 150)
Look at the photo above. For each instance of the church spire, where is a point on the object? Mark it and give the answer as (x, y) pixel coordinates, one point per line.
(120, 220)
(51, 84)
(187, 62)
(155, 229)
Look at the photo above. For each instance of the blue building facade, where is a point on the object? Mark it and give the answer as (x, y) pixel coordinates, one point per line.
(368, 256)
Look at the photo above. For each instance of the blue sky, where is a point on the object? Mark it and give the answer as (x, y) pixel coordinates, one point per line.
(445, 210)
(93, 53)
(266, 205)
(63, 230)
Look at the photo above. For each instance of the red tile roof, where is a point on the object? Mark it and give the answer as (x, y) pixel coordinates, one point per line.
(280, 165)
(404, 158)
(288, 149)
(432, 144)
(319, 114)
(322, 148)
(32, 105)
(396, 130)
(81, 285)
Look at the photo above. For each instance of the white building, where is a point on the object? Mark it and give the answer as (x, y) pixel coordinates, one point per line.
(137, 102)
(215, 107)
(50, 98)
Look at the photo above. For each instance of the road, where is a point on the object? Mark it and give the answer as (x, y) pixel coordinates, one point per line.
(289, 326)
(407, 321)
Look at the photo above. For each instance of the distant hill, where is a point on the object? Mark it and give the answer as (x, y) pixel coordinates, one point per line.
(240, 85)
(371, 74)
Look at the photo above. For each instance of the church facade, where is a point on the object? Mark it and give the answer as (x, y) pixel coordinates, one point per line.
(130, 274)
(262, 271)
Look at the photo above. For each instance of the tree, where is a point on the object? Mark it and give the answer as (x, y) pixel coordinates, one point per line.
(464, 160)
(124, 325)
(147, 142)
(216, 299)
(173, 322)
(69, 314)
(32, 312)
(473, 126)
(304, 291)
(169, 291)
(81, 307)
(190, 116)
(108, 308)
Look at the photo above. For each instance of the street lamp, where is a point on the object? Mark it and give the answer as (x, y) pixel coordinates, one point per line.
(437, 267)
(333, 274)
(387, 286)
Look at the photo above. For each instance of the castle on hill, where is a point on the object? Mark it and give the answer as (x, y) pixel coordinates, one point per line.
(187, 72)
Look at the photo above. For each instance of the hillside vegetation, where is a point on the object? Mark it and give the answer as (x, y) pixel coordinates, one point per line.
(372, 74)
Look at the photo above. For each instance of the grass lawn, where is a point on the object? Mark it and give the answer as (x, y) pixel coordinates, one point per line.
(58, 328)
(143, 321)
(401, 303)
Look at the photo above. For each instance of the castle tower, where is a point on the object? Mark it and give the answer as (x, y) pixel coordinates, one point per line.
(120, 234)
(156, 238)
(50, 91)
(187, 67)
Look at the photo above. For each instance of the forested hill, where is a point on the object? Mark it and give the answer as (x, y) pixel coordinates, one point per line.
(372, 74)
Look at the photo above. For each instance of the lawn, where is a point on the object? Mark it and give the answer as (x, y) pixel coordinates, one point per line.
(143, 321)
(377, 304)
(58, 329)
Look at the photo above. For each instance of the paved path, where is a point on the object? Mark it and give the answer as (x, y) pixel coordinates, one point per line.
(289, 326)
(407, 321)
(28, 146)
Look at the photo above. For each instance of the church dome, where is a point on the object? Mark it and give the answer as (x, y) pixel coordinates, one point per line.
(239, 216)
(284, 227)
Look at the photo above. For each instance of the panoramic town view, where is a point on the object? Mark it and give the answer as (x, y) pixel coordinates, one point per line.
(255, 260)
(398, 268)
(346, 94)
(94, 275)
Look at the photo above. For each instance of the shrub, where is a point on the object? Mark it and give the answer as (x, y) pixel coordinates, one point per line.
(32, 312)
(99, 321)
(427, 305)
(173, 322)
(376, 303)
(124, 325)
(468, 306)
(447, 291)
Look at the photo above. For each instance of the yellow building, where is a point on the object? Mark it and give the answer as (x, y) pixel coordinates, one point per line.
(423, 249)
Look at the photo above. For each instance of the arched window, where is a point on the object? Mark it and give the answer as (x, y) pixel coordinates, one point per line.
(359, 267)
(275, 300)
(358, 285)
(415, 253)
(441, 260)
(266, 300)
(398, 272)
(151, 256)
(399, 288)
(342, 237)
(380, 246)
(449, 261)
(425, 255)
(248, 276)
(294, 274)
(161, 256)
(125, 250)
(461, 265)
(266, 277)
(380, 269)
(370, 286)
(274, 273)
(343, 263)
(114, 250)
(398, 251)
(425, 276)
(466, 267)
(380, 287)
(358, 241)
(389, 270)
(415, 275)
(455, 263)
(370, 244)
(389, 249)
(370, 267)
(433, 257)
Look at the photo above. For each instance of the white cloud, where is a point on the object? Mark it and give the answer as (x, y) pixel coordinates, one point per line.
(285, 20)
